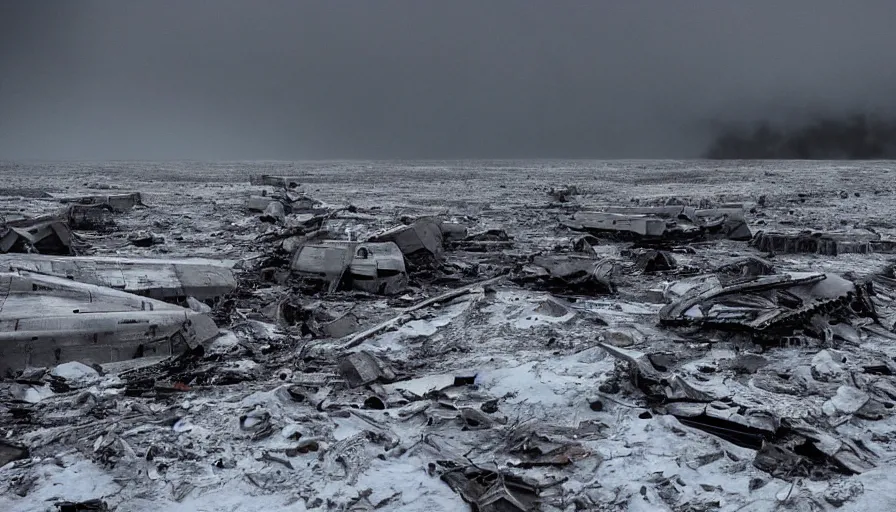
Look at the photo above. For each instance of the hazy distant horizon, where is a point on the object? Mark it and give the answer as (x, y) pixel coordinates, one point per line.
(98, 80)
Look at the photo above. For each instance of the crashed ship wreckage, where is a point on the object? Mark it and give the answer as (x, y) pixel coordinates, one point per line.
(501, 369)
(101, 310)
(771, 307)
(56, 309)
(49, 320)
(663, 224)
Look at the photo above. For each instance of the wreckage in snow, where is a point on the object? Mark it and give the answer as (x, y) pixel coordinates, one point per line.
(727, 223)
(425, 240)
(664, 222)
(623, 224)
(94, 217)
(275, 207)
(49, 320)
(452, 231)
(742, 268)
(119, 202)
(168, 280)
(563, 193)
(370, 267)
(420, 240)
(655, 261)
(42, 235)
(494, 239)
(830, 244)
(785, 447)
(772, 306)
(568, 275)
(266, 180)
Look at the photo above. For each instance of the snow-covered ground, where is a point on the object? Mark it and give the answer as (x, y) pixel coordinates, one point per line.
(537, 364)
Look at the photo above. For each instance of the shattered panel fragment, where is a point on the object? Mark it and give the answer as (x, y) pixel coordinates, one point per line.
(423, 238)
(40, 235)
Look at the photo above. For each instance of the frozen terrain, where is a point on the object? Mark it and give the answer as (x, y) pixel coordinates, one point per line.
(535, 366)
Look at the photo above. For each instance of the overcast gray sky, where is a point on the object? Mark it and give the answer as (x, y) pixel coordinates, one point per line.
(294, 79)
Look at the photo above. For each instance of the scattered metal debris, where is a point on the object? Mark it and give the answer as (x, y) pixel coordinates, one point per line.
(569, 275)
(118, 202)
(773, 306)
(370, 267)
(490, 491)
(362, 368)
(39, 235)
(564, 193)
(829, 244)
(420, 240)
(656, 261)
(273, 181)
(524, 365)
(667, 223)
(92, 217)
(145, 238)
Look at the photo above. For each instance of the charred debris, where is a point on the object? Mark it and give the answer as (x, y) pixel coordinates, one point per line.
(757, 356)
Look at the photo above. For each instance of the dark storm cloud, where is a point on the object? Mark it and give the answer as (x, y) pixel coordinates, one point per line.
(424, 79)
